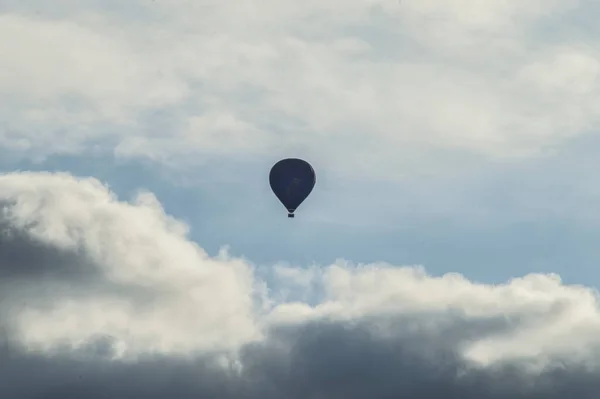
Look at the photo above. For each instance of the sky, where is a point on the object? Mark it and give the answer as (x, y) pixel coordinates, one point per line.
(448, 250)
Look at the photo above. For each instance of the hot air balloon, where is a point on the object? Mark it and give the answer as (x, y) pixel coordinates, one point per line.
(292, 180)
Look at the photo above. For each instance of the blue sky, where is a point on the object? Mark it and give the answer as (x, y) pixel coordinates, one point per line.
(455, 145)
(500, 221)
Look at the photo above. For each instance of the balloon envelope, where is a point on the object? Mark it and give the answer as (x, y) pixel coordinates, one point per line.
(292, 180)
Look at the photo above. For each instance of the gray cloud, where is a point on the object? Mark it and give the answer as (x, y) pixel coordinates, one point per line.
(313, 361)
(23, 256)
(143, 312)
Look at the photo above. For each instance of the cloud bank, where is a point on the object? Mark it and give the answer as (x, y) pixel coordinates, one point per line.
(104, 298)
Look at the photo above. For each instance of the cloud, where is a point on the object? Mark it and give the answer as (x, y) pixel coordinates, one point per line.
(104, 298)
(390, 83)
(181, 299)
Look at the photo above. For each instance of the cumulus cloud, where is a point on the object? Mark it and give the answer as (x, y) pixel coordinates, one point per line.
(142, 256)
(386, 81)
(105, 298)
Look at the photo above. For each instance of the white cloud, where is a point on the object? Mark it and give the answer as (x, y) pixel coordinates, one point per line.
(548, 319)
(381, 80)
(134, 276)
(158, 291)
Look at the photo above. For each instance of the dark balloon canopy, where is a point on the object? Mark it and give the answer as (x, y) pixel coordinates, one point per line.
(292, 180)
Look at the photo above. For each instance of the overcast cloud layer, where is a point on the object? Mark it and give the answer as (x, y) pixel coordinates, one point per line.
(390, 83)
(479, 112)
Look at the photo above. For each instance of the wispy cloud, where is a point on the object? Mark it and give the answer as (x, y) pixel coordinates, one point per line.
(391, 83)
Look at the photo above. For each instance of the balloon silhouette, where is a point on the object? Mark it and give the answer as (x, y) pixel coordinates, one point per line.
(292, 180)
